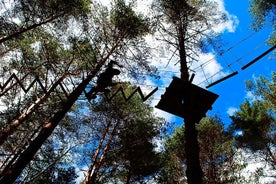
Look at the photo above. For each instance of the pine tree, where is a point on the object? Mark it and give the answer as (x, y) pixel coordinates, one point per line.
(256, 119)
(263, 11)
(34, 14)
(185, 26)
(125, 150)
(217, 154)
(119, 35)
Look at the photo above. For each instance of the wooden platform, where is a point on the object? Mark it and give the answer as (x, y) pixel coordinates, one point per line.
(186, 100)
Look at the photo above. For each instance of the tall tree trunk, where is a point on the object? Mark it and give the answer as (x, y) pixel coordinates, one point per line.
(194, 171)
(184, 72)
(128, 177)
(96, 154)
(100, 162)
(23, 30)
(26, 156)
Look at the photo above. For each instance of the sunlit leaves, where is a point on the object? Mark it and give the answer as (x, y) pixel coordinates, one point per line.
(127, 22)
(263, 11)
(254, 122)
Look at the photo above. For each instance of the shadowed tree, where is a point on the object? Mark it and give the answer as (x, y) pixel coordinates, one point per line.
(33, 14)
(185, 26)
(125, 150)
(264, 89)
(216, 154)
(256, 119)
(138, 27)
(263, 11)
(48, 61)
(216, 151)
(255, 125)
(173, 158)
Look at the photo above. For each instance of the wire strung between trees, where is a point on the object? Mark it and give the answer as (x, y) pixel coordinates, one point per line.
(258, 58)
(222, 79)
(224, 52)
(244, 67)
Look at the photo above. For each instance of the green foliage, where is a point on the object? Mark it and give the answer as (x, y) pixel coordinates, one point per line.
(177, 11)
(188, 27)
(254, 122)
(173, 158)
(138, 151)
(49, 51)
(27, 15)
(213, 138)
(263, 11)
(84, 52)
(127, 22)
(216, 150)
(131, 156)
(216, 154)
(66, 176)
(264, 89)
(52, 7)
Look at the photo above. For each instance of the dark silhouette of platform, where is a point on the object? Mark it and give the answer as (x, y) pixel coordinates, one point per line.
(186, 100)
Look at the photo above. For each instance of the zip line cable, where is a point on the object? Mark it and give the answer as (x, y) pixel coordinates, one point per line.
(244, 67)
(258, 58)
(225, 77)
(222, 79)
(226, 51)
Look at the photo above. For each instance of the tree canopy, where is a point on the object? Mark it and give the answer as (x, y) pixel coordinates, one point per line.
(52, 53)
(263, 11)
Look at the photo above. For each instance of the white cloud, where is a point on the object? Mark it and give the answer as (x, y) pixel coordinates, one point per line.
(229, 25)
(251, 97)
(169, 117)
(232, 20)
(169, 67)
(81, 172)
(207, 68)
(231, 110)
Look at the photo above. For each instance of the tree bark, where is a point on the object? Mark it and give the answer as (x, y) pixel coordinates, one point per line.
(184, 72)
(194, 173)
(100, 162)
(23, 30)
(13, 126)
(96, 154)
(26, 156)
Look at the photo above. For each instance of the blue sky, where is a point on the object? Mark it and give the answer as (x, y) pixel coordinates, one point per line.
(240, 43)
(232, 91)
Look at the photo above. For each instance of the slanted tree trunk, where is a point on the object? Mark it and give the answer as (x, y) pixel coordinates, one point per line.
(96, 154)
(100, 162)
(23, 30)
(26, 156)
(92, 179)
(13, 126)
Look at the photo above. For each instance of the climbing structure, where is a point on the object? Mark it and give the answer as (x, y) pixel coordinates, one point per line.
(184, 99)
